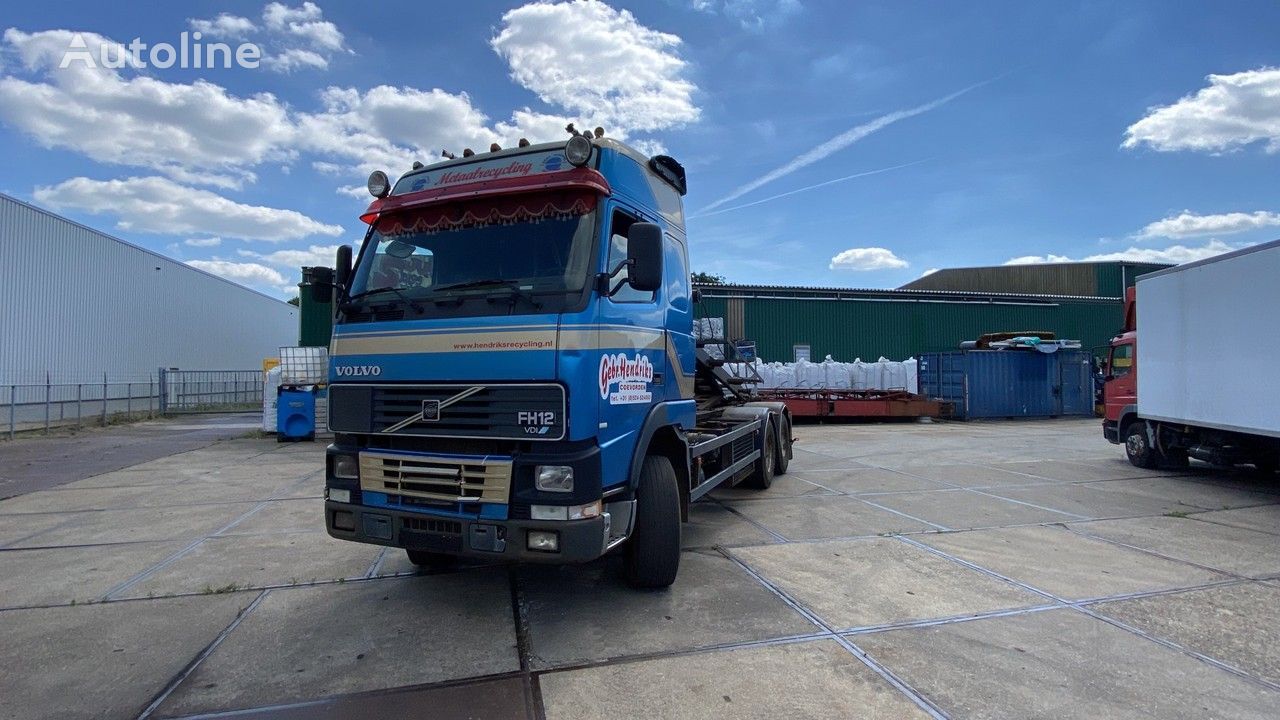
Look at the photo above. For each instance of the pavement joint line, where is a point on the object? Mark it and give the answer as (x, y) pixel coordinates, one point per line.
(772, 533)
(1082, 606)
(145, 574)
(1154, 553)
(376, 565)
(951, 620)
(1031, 505)
(1192, 516)
(852, 648)
(1211, 661)
(200, 657)
(534, 707)
(700, 650)
(934, 525)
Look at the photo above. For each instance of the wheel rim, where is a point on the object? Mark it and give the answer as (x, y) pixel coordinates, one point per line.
(769, 456)
(1136, 444)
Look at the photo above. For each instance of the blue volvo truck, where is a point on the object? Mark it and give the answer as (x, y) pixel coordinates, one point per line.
(514, 373)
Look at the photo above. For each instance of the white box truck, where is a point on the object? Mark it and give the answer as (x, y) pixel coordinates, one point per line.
(1198, 376)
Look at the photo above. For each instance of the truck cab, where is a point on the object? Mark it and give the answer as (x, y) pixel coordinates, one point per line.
(513, 367)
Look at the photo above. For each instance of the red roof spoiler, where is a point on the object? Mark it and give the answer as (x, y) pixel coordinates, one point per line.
(576, 178)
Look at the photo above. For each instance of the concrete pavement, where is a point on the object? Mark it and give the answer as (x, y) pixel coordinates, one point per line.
(993, 570)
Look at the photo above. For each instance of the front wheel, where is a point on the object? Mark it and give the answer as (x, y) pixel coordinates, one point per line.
(1138, 448)
(762, 477)
(653, 552)
(784, 447)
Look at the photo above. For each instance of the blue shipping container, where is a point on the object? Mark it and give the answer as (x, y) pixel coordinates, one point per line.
(1009, 383)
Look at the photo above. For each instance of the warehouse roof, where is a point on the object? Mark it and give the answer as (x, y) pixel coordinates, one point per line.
(1097, 279)
(882, 294)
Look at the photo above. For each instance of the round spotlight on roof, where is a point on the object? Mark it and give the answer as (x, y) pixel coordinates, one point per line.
(379, 184)
(578, 150)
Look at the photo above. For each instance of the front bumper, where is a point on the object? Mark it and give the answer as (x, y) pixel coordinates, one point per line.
(1111, 431)
(482, 539)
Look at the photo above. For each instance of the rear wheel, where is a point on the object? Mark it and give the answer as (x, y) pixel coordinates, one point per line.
(431, 560)
(1137, 447)
(653, 552)
(762, 477)
(784, 447)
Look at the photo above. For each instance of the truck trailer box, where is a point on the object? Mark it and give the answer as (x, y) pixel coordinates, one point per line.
(1209, 342)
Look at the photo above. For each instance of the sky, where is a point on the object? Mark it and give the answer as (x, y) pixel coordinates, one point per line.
(851, 144)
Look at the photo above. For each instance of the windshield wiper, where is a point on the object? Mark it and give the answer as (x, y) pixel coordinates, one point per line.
(399, 293)
(517, 292)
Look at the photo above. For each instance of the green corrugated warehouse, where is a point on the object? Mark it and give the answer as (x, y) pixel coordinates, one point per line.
(963, 304)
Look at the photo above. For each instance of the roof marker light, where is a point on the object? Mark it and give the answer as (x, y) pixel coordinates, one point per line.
(524, 142)
(578, 150)
(599, 132)
(379, 184)
(417, 165)
(468, 152)
(494, 147)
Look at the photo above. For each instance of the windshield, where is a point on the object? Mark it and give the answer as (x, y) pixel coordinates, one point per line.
(535, 245)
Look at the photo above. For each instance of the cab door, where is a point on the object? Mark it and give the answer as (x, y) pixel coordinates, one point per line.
(632, 340)
(1121, 388)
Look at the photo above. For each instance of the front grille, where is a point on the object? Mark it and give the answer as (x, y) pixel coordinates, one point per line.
(433, 480)
(432, 525)
(507, 411)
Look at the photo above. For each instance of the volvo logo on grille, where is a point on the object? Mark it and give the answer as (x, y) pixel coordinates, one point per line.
(430, 410)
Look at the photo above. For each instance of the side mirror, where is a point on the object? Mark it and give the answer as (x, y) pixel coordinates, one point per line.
(342, 268)
(644, 254)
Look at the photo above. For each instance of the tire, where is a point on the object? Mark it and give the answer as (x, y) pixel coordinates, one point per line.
(431, 560)
(1136, 447)
(784, 448)
(653, 553)
(762, 477)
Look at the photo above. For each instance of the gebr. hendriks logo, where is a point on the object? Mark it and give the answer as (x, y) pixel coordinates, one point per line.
(631, 375)
(189, 53)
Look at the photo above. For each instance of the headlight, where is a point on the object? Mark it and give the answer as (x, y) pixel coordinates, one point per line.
(553, 478)
(346, 467)
(379, 184)
(577, 151)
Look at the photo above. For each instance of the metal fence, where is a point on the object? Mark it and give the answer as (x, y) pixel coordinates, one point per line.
(36, 406)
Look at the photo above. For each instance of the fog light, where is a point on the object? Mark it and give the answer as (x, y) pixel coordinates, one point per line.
(346, 467)
(543, 541)
(578, 150)
(548, 512)
(379, 184)
(553, 478)
(338, 495)
(343, 520)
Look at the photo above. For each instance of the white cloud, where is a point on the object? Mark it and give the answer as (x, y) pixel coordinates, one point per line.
(315, 255)
(928, 272)
(388, 127)
(599, 64)
(227, 26)
(246, 273)
(203, 242)
(195, 133)
(1175, 254)
(305, 22)
(156, 205)
(294, 59)
(754, 15)
(1188, 224)
(872, 258)
(1232, 112)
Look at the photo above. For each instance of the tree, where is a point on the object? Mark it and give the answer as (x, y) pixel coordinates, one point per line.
(295, 301)
(702, 278)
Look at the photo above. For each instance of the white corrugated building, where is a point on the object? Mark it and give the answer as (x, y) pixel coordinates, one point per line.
(76, 303)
